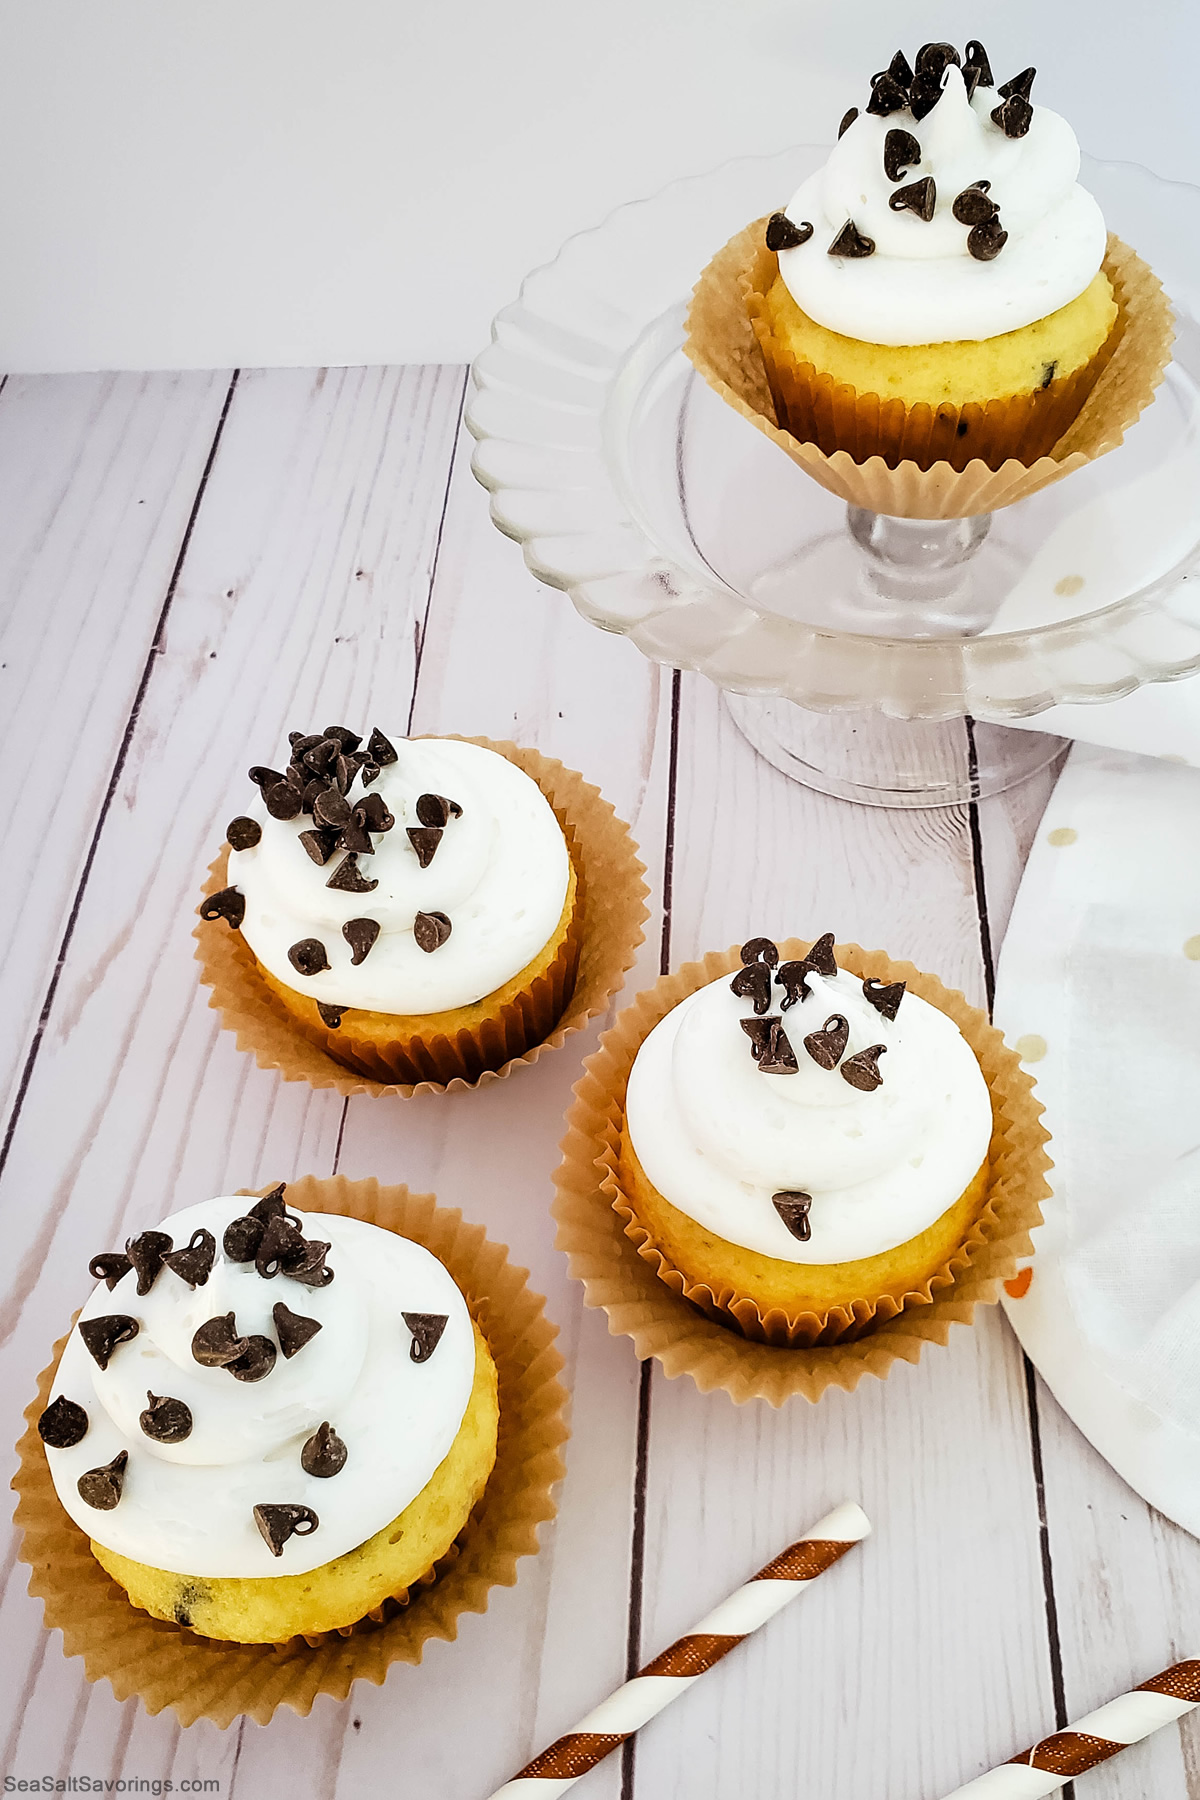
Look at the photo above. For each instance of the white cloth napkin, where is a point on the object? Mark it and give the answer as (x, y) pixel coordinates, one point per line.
(1099, 990)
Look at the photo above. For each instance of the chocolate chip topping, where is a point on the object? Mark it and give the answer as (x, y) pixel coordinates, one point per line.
(348, 878)
(437, 809)
(887, 96)
(901, 152)
(330, 1015)
(826, 1046)
(63, 1424)
(101, 1487)
(280, 1243)
(372, 811)
(331, 807)
(109, 1267)
(759, 1032)
(320, 845)
(885, 998)
(934, 59)
(229, 905)
(242, 1238)
(308, 957)
(919, 197)
(793, 1207)
(360, 934)
(292, 1329)
(425, 840)
(349, 740)
(217, 1342)
(793, 978)
(783, 235)
(753, 982)
(986, 241)
(759, 950)
(165, 1420)
(900, 69)
(243, 833)
(431, 929)
(977, 70)
(1014, 116)
(256, 1361)
(820, 958)
(851, 242)
(310, 1270)
(848, 119)
(264, 778)
(974, 206)
(101, 1336)
(146, 1253)
(427, 1329)
(283, 801)
(1020, 84)
(380, 749)
(924, 95)
(278, 1523)
(271, 1205)
(194, 1262)
(324, 1454)
(862, 1070)
(778, 1058)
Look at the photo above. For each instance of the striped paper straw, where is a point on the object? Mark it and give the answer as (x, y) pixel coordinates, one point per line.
(1124, 1721)
(670, 1674)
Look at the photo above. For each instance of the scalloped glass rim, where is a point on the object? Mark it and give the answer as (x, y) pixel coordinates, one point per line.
(542, 412)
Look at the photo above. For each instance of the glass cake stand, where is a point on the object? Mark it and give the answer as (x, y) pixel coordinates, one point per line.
(871, 657)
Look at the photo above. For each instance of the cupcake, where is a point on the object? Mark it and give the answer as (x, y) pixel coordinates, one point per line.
(271, 1423)
(942, 291)
(413, 907)
(799, 1144)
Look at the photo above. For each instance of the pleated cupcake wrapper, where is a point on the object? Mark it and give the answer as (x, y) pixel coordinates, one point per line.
(695, 1331)
(167, 1665)
(601, 945)
(725, 336)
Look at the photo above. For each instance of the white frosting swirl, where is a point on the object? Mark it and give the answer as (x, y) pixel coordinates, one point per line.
(189, 1507)
(499, 873)
(717, 1137)
(922, 286)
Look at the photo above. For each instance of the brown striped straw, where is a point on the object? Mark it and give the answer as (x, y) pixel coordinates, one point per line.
(671, 1673)
(1055, 1760)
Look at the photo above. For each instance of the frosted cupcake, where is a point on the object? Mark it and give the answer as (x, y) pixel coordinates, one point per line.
(271, 1423)
(413, 905)
(804, 1141)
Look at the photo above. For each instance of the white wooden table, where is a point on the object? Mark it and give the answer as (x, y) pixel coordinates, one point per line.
(192, 564)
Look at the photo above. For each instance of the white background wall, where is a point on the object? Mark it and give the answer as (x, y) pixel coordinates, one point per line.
(191, 183)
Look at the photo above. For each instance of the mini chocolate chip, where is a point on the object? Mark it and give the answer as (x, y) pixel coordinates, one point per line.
(146, 1252)
(256, 1361)
(321, 756)
(348, 878)
(424, 840)
(349, 740)
(264, 778)
(360, 934)
(310, 1270)
(759, 1033)
(271, 1205)
(217, 1342)
(355, 836)
(1049, 371)
(427, 1329)
(166, 1420)
(242, 1238)
(901, 152)
(783, 235)
(367, 773)
(885, 998)
(1014, 116)
(924, 95)
(437, 809)
(971, 79)
(109, 1267)
(344, 771)
(296, 776)
(280, 1241)
(308, 956)
(372, 810)
(919, 197)
(331, 808)
(759, 949)
(101, 1336)
(63, 1424)
(379, 749)
(793, 978)
(330, 1015)
(324, 1454)
(778, 1058)
(820, 958)
(986, 241)
(292, 1329)
(935, 59)
(320, 845)
(753, 983)
(900, 69)
(229, 905)
(862, 1071)
(282, 801)
(826, 1046)
(851, 242)
(977, 58)
(278, 1523)
(887, 96)
(243, 833)
(1020, 84)
(793, 1207)
(974, 207)
(101, 1487)
(431, 929)
(312, 793)
(194, 1262)
(848, 119)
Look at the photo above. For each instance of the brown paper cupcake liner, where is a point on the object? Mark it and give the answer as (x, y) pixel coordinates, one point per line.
(722, 340)
(601, 945)
(202, 1678)
(669, 1318)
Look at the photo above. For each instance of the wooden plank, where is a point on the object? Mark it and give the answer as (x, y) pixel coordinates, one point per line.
(97, 478)
(303, 593)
